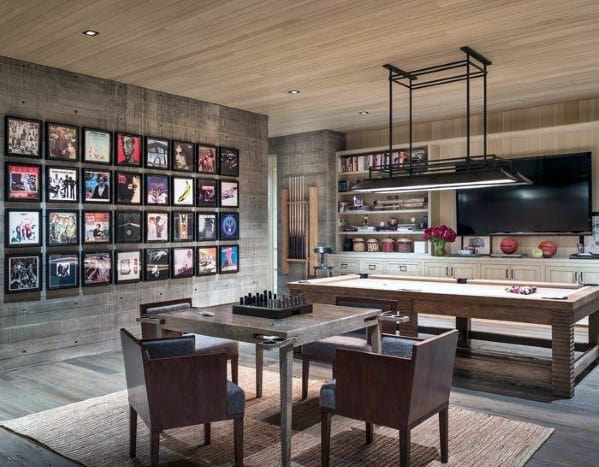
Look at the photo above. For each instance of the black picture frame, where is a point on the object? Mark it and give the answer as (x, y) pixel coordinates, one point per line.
(157, 153)
(182, 226)
(62, 184)
(182, 191)
(228, 259)
(23, 273)
(62, 227)
(207, 192)
(62, 142)
(23, 182)
(157, 264)
(128, 266)
(182, 262)
(128, 226)
(128, 188)
(206, 159)
(228, 226)
(128, 149)
(157, 190)
(228, 161)
(62, 270)
(96, 268)
(182, 156)
(96, 227)
(22, 137)
(207, 260)
(96, 185)
(207, 227)
(156, 227)
(23, 228)
(96, 146)
(228, 193)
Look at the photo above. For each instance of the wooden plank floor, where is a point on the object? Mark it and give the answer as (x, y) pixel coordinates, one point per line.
(33, 389)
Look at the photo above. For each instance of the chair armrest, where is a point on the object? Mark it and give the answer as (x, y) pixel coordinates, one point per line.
(170, 347)
(393, 336)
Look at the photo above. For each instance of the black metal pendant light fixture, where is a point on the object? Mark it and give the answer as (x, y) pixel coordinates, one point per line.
(446, 174)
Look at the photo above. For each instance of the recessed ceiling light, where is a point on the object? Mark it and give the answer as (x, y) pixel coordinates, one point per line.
(294, 91)
(90, 32)
(363, 112)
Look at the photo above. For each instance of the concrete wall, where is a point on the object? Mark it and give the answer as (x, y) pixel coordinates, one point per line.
(313, 156)
(61, 324)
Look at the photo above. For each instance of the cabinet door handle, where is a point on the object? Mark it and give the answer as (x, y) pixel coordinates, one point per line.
(512, 273)
(507, 273)
(372, 267)
(403, 268)
(447, 271)
(580, 278)
(451, 269)
(575, 277)
(343, 265)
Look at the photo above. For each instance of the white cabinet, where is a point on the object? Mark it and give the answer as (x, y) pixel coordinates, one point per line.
(511, 271)
(345, 266)
(572, 274)
(469, 270)
(403, 268)
(373, 266)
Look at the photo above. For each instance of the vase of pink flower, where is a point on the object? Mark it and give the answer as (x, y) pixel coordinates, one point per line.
(439, 236)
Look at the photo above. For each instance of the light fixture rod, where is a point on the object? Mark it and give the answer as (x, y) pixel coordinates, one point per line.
(485, 111)
(473, 53)
(390, 115)
(468, 104)
(438, 68)
(446, 80)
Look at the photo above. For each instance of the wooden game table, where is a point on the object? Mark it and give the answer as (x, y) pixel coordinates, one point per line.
(557, 305)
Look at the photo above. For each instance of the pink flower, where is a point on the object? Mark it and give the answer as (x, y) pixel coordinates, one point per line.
(441, 232)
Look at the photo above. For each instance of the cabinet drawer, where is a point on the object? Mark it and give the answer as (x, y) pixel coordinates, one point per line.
(371, 266)
(345, 266)
(403, 268)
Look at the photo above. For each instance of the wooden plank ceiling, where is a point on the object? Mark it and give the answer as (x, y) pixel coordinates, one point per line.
(248, 54)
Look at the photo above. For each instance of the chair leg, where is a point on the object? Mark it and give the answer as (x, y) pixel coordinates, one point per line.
(238, 440)
(259, 369)
(132, 432)
(206, 434)
(444, 434)
(235, 369)
(154, 447)
(305, 377)
(325, 438)
(404, 448)
(369, 433)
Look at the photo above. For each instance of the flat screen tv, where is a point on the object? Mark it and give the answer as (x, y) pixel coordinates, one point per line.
(558, 201)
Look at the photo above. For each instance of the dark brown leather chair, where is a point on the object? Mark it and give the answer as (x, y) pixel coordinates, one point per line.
(203, 344)
(399, 391)
(324, 349)
(170, 386)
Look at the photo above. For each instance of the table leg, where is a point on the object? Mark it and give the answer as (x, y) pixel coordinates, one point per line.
(463, 326)
(374, 337)
(286, 375)
(562, 355)
(594, 328)
(259, 369)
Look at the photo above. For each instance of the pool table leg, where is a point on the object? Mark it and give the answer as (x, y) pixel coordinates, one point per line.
(562, 355)
(463, 326)
(594, 328)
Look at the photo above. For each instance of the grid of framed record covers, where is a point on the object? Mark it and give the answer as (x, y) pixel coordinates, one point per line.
(83, 190)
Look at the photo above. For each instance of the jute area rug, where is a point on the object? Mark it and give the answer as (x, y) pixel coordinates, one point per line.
(95, 433)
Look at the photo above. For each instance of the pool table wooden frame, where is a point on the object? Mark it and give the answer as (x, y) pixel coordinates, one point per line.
(558, 373)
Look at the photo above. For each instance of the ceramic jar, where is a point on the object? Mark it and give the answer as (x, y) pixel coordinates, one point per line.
(372, 244)
(359, 244)
(404, 245)
(388, 245)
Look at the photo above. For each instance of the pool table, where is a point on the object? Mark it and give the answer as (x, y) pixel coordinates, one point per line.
(557, 305)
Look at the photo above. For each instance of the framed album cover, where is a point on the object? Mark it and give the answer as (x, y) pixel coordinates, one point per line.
(96, 185)
(22, 227)
(96, 268)
(207, 260)
(62, 185)
(229, 226)
(157, 226)
(207, 192)
(128, 149)
(183, 261)
(183, 154)
(228, 161)
(183, 191)
(206, 159)
(23, 182)
(157, 264)
(96, 226)
(63, 227)
(62, 270)
(97, 147)
(127, 187)
(128, 226)
(228, 258)
(182, 226)
(23, 137)
(207, 226)
(229, 193)
(23, 273)
(157, 153)
(128, 266)
(157, 190)
(62, 142)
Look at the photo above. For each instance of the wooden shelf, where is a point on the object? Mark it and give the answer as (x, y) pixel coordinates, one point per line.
(384, 232)
(355, 212)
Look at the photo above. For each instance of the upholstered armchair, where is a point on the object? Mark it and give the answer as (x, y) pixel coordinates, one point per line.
(170, 386)
(203, 344)
(324, 349)
(400, 390)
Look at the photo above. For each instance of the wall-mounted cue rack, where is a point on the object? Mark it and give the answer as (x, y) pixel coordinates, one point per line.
(299, 225)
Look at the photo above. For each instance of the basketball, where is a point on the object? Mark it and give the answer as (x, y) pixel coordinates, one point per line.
(509, 245)
(549, 248)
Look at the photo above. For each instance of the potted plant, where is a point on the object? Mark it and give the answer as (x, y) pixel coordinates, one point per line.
(439, 236)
